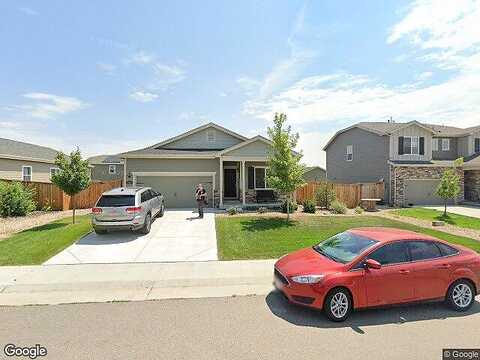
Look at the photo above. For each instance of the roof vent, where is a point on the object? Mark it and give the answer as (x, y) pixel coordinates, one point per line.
(390, 120)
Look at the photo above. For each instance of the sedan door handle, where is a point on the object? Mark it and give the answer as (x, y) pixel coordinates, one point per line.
(404, 272)
(444, 266)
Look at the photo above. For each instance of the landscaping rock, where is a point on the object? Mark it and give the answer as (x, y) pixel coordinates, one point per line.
(438, 223)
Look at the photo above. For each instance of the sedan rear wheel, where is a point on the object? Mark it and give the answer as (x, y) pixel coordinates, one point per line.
(460, 295)
(338, 305)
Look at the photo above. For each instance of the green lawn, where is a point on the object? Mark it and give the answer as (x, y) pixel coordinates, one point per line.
(431, 214)
(251, 237)
(36, 245)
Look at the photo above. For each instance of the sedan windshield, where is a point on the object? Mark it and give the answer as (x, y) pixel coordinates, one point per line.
(344, 247)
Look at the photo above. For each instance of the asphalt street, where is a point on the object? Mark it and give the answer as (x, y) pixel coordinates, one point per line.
(250, 327)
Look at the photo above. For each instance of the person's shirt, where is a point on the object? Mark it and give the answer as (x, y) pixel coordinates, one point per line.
(200, 194)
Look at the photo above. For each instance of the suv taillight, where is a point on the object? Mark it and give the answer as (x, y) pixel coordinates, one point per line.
(96, 210)
(132, 210)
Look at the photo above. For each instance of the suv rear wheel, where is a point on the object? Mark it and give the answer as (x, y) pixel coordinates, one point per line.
(147, 224)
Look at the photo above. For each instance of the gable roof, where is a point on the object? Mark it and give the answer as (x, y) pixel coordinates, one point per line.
(388, 128)
(245, 143)
(105, 159)
(153, 149)
(12, 149)
(310, 168)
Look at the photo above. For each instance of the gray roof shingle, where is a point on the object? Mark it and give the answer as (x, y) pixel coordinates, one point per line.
(25, 150)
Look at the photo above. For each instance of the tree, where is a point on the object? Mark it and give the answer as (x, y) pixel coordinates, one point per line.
(74, 175)
(325, 194)
(449, 187)
(285, 172)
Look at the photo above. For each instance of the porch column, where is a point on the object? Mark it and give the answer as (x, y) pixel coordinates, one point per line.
(244, 188)
(220, 186)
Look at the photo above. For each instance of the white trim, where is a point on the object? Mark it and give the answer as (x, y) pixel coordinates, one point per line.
(243, 182)
(434, 144)
(411, 137)
(25, 158)
(125, 173)
(255, 178)
(411, 123)
(347, 153)
(246, 158)
(221, 182)
(31, 172)
(114, 169)
(447, 142)
(53, 168)
(433, 164)
(245, 143)
(168, 156)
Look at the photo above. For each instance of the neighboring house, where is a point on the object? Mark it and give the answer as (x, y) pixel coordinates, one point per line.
(26, 162)
(314, 174)
(232, 167)
(410, 157)
(106, 167)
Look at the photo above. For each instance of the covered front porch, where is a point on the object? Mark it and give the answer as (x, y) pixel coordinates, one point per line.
(243, 182)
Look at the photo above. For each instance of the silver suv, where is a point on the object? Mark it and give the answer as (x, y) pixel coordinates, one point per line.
(128, 209)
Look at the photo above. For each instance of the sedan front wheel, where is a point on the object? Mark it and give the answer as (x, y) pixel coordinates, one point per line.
(338, 305)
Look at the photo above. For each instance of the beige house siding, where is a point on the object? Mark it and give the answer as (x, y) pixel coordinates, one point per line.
(256, 148)
(413, 130)
(199, 141)
(12, 170)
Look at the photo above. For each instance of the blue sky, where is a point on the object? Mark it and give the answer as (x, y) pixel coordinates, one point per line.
(112, 76)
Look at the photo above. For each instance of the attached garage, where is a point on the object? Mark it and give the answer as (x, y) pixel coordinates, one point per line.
(178, 189)
(422, 192)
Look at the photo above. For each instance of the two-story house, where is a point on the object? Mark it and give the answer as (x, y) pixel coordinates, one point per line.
(409, 157)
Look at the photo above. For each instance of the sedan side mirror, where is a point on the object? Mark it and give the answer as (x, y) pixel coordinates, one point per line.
(372, 264)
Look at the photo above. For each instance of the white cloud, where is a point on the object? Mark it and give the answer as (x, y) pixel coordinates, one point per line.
(223, 94)
(46, 106)
(107, 68)
(29, 11)
(140, 58)
(143, 96)
(248, 84)
(424, 75)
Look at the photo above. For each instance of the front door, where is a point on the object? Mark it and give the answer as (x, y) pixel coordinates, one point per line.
(230, 183)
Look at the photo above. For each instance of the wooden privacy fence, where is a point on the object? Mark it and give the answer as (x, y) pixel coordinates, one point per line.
(349, 194)
(49, 195)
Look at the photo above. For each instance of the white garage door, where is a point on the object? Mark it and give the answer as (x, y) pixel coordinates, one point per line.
(178, 191)
(422, 192)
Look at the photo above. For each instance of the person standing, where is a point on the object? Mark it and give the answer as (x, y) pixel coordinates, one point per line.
(201, 197)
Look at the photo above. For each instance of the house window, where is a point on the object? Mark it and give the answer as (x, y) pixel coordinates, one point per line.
(477, 145)
(260, 177)
(26, 173)
(112, 169)
(54, 171)
(210, 136)
(410, 145)
(445, 144)
(349, 153)
(434, 144)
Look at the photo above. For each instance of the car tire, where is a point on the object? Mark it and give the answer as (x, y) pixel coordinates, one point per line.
(162, 211)
(147, 224)
(338, 305)
(461, 295)
(100, 232)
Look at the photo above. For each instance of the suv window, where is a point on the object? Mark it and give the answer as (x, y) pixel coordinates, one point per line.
(145, 196)
(116, 200)
(394, 253)
(446, 249)
(423, 250)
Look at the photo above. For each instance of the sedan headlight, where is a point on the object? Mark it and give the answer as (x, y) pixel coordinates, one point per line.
(307, 279)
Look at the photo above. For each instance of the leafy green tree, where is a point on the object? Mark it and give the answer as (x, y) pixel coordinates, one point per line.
(74, 175)
(285, 171)
(449, 187)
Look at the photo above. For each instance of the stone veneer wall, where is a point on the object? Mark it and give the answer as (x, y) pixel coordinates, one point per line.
(402, 173)
(472, 185)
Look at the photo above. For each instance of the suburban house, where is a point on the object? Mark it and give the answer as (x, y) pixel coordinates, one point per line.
(26, 162)
(409, 157)
(106, 167)
(231, 166)
(314, 174)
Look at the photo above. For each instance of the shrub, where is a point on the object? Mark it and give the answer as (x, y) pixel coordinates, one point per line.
(338, 207)
(358, 210)
(262, 210)
(15, 199)
(325, 195)
(232, 211)
(293, 206)
(309, 206)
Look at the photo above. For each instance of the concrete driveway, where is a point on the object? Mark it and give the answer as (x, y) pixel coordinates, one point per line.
(178, 236)
(472, 211)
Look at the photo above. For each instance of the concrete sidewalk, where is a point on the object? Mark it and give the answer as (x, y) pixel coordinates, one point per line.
(58, 284)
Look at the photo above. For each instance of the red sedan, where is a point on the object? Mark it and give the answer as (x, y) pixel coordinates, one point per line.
(369, 267)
